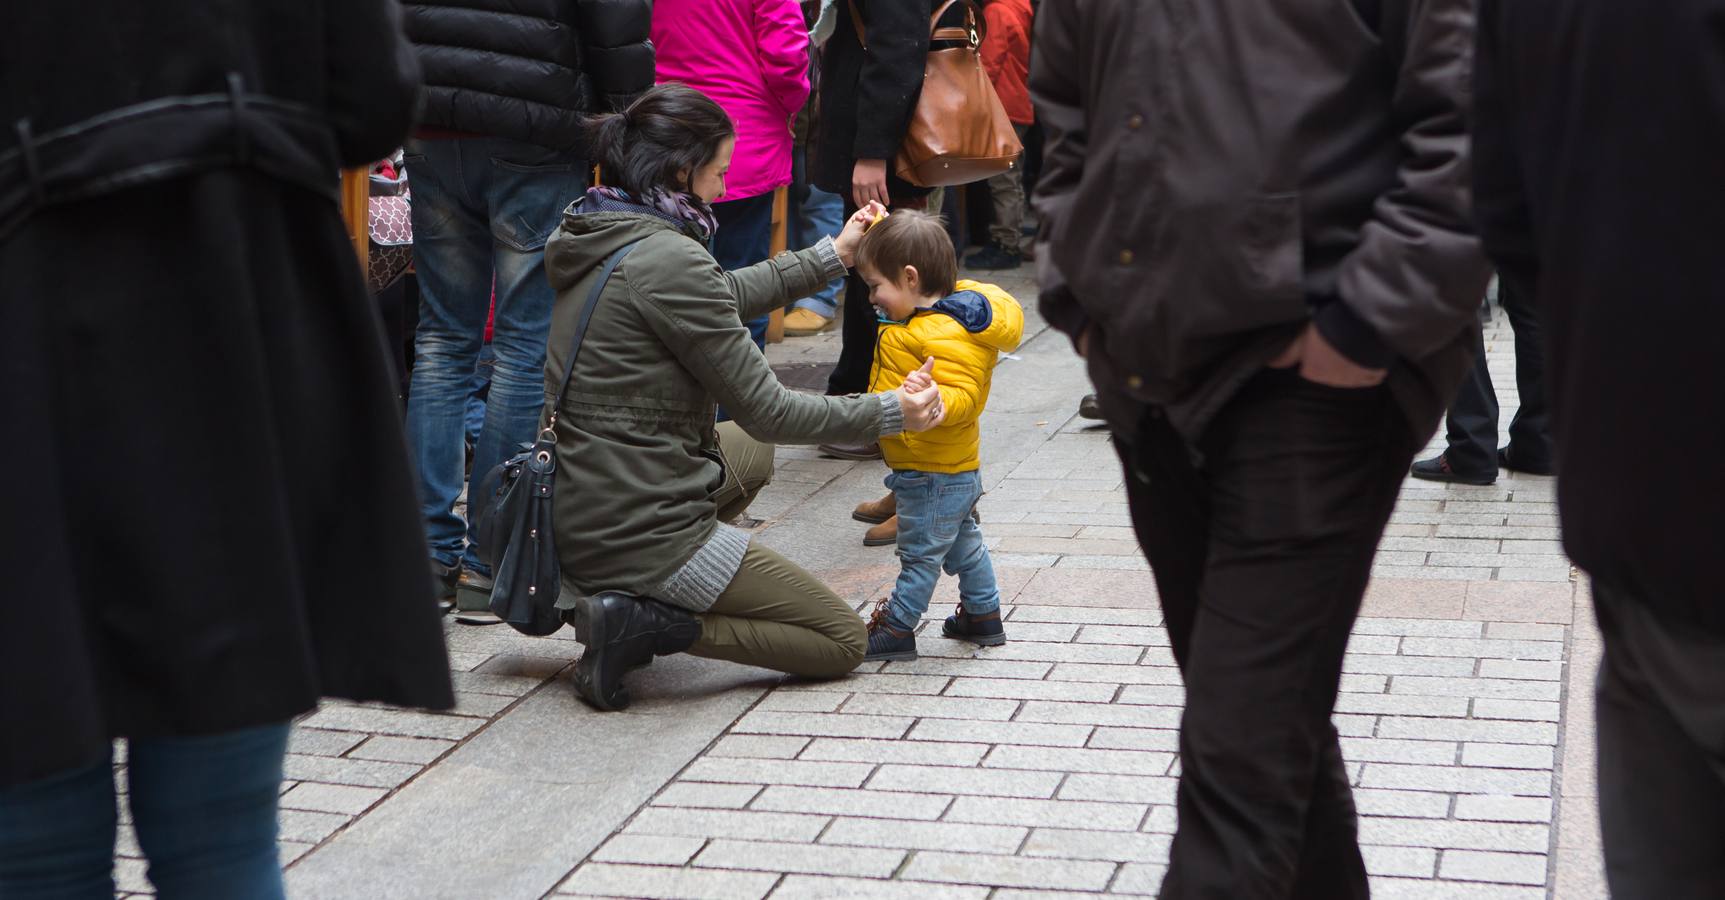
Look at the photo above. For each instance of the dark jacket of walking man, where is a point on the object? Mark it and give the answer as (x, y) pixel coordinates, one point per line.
(1600, 134)
(1256, 229)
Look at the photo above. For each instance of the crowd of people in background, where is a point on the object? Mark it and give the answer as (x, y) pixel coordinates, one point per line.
(1275, 284)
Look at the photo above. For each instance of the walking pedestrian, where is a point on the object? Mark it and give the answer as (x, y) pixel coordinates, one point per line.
(500, 151)
(1274, 283)
(1473, 456)
(751, 57)
(1616, 240)
(1006, 56)
(815, 213)
(215, 525)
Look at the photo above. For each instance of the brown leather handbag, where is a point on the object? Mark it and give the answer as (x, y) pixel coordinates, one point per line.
(958, 132)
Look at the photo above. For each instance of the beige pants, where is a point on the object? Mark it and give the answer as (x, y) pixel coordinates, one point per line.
(774, 614)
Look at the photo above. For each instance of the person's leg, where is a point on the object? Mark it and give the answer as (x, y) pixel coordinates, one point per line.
(1661, 702)
(748, 469)
(1472, 421)
(525, 189)
(1301, 480)
(452, 255)
(745, 237)
(57, 836)
(968, 559)
(777, 616)
(820, 215)
(205, 808)
(1530, 430)
(475, 422)
(927, 530)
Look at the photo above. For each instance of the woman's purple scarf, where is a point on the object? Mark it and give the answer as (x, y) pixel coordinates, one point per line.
(686, 210)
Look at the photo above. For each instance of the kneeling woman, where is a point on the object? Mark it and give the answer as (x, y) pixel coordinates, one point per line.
(645, 482)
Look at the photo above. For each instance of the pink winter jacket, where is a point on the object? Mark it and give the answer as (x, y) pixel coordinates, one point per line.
(752, 57)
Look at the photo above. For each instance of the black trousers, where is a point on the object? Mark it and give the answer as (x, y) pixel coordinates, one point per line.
(858, 325)
(1472, 425)
(1261, 549)
(1661, 696)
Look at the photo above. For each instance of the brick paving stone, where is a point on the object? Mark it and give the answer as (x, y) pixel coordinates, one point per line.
(1152, 695)
(1074, 759)
(352, 772)
(820, 887)
(1019, 689)
(1410, 862)
(1411, 889)
(1118, 788)
(974, 781)
(662, 883)
(874, 684)
(1045, 632)
(1468, 730)
(803, 701)
(1419, 628)
(1529, 631)
(1047, 813)
(331, 798)
(1454, 835)
(1139, 879)
(1115, 674)
(390, 721)
(741, 825)
(1401, 804)
(978, 668)
(1497, 688)
(309, 827)
(1075, 843)
(1374, 643)
(649, 849)
(1402, 705)
(1025, 733)
(923, 835)
(1503, 809)
(1086, 615)
(1134, 635)
(1455, 780)
(1435, 753)
(1483, 647)
(759, 746)
(502, 685)
(1355, 725)
(1528, 670)
(1161, 820)
(932, 707)
(910, 752)
(1508, 756)
(401, 750)
(1008, 871)
(315, 742)
(823, 724)
(1135, 739)
(1522, 710)
(805, 773)
(1036, 651)
(707, 796)
(129, 875)
(1503, 868)
(1120, 715)
(841, 802)
(810, 859)
(1409, 665)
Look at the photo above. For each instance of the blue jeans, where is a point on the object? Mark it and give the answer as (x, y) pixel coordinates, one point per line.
(745, 237)
(482, 208)
(474, 422)
(204, 807)
(936, 531)
(819, 215)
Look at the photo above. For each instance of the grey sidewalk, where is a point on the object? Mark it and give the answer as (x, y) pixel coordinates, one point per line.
(1044, 768)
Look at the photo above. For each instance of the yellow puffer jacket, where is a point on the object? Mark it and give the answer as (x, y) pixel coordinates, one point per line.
(965, 333)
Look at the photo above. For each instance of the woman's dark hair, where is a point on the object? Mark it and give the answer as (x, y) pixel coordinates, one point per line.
(670, 129)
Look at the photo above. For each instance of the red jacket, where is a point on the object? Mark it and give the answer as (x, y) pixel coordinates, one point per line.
(1006, 56)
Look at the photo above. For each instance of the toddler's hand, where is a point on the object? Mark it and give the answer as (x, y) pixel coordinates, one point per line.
(859, 222)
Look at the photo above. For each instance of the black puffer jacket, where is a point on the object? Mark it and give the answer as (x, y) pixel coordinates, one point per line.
(530, 69)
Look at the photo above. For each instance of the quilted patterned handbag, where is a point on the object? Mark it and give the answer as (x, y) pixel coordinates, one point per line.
(390, 231)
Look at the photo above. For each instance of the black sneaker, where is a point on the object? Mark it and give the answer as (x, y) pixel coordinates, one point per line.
(619, 633)
(1090, 408)
(1438, 469)
(1509, 461)
(886, 642)
(995, 257)
(984, 630)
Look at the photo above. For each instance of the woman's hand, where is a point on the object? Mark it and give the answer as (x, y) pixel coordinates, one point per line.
(859, 222)
(868, 182)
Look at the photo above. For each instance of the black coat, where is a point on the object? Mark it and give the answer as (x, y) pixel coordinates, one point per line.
(1600, 185)
(210, 519)
(867, 96)
(530, 70)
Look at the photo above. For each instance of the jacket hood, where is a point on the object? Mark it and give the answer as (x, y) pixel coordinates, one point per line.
(579, 246)
(987, 312)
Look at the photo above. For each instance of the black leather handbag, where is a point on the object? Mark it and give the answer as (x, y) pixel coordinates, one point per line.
(513, 519)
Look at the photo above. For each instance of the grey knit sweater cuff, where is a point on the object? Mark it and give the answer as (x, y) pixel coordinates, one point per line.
(705, 576)
(891, 414)
(834, 267)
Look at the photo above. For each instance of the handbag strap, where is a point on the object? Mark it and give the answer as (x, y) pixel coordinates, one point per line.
(549, 434)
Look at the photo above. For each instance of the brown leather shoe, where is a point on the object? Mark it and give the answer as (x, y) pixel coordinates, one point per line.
(875, 512)
(851, 451)
(883, 535)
